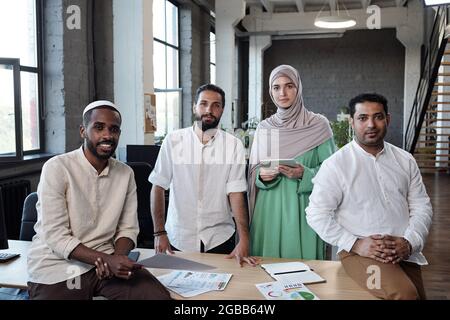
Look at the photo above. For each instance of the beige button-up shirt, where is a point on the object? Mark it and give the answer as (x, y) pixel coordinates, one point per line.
(358, 195)
(78, 205)
(200, 177)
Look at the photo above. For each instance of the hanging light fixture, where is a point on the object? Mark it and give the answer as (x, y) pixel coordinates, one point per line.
(335, 20)
(436, 2)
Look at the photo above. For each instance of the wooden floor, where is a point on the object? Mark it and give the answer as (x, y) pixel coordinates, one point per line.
(436, 275)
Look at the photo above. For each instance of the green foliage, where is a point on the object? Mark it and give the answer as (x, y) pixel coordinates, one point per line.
(159, 139)
(342, 132)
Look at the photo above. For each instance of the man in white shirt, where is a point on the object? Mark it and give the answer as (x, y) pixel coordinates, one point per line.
(87, 221)
(204, 167)
(370, 201)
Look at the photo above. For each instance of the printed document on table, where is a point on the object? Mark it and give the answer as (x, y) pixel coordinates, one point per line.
(285, 291)
(198, 280)
(184, 292)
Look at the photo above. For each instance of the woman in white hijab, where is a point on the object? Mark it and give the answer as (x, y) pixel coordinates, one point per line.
(278, 196)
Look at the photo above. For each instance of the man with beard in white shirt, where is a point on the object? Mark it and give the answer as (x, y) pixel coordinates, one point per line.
(204, 167)
(369, 200)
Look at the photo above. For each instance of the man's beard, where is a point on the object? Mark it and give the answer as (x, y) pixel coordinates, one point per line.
(203, 125)
(93, 149)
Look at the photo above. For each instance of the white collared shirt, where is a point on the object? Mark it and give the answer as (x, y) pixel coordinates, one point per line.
(200, 177)
(357, 195)
(78, 205)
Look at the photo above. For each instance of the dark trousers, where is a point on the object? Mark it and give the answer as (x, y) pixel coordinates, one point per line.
(224, 248)
(142, 286)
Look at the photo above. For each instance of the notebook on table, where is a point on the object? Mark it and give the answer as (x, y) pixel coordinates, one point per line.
(292, 272)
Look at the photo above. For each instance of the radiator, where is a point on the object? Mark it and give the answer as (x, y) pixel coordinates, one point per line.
(14, 194)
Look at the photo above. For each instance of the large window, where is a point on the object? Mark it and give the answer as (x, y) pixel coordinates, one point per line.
(20, 78)
(212, 57)
(166, 66)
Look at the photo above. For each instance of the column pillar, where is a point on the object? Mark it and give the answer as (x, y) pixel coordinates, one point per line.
(258, 44)
(133, 67)
(228, 14)
(410, 35)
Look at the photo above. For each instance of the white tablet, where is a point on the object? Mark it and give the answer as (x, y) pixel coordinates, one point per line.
(272, 163)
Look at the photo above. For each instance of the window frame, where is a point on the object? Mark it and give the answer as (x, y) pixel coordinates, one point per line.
(211, 63)
(15, 63)
(177, 48)
(38, 71)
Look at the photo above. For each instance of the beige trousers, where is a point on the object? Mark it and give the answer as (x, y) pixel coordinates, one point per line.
(401, 281)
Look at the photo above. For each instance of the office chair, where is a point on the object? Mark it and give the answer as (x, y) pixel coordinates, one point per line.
(143, 153)
(3, 233)
(29, 217)
(141, 173)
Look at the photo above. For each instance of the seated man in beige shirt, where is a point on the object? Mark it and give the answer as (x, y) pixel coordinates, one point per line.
(87, 221)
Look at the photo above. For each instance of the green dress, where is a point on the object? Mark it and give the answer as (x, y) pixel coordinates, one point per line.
(279, 228)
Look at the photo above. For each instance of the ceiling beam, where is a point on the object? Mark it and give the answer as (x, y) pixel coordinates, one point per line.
(300, 5)
(365, 3)
(267, 5)
(400, 3)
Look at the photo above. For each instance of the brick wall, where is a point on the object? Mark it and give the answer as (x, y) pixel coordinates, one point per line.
(71, 81)
(194, 55)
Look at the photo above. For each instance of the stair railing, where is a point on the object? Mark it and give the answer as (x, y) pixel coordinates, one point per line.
(430, 67)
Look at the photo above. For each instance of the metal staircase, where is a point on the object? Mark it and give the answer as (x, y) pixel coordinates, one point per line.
(428, 131)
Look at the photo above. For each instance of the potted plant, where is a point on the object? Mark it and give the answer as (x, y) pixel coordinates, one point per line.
(342, 131)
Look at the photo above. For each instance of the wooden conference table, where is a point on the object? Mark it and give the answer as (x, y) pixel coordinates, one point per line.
(339, 286)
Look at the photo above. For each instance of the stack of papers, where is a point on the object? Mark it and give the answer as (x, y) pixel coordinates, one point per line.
(279, 290)
(292, 272)
(190, 283)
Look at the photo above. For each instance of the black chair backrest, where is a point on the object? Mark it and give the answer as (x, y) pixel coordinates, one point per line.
(3, 234)
(29, 217)
(141, 173)
(143, 153)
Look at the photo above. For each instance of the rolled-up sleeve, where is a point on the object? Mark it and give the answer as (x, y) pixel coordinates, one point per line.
(236, 180)
(420, 210)
(128, 226)
(320, 214)
(163, 171)
(53, 211)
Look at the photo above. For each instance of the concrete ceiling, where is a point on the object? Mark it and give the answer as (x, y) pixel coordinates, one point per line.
(279, 6)
(296, 17)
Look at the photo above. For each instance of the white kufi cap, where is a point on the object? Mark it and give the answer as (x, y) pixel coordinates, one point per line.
(100, 103)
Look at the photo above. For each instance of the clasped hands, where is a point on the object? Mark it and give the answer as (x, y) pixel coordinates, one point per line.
(383, 248)
(119, 266)
(267, 174)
